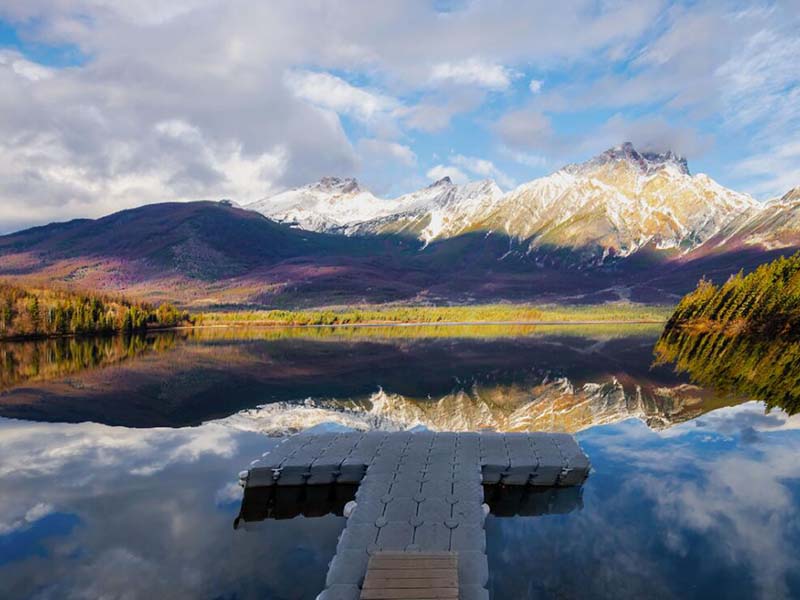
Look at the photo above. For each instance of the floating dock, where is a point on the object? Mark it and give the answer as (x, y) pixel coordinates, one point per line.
(417, 493)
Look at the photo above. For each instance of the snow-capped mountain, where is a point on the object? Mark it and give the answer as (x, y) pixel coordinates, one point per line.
(772, 225)
(329, 204)
(341, 205)
(610, 206)
(617, 203)
(441, 210)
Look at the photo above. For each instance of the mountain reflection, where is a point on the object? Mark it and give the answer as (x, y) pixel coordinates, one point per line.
(766, 370)
(509, 378)
(91, 511)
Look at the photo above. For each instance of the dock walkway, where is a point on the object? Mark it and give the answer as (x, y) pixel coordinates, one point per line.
(417, 493)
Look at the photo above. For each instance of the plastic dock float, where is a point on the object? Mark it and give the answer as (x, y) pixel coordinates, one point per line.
(417, 494)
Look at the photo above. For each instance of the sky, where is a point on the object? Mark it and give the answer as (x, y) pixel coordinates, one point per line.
(106, 105)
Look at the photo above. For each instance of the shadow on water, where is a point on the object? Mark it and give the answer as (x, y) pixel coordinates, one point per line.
(310, 501)
(736, 365)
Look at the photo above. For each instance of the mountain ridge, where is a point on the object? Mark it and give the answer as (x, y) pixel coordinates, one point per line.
(623, 227)
(607, 207)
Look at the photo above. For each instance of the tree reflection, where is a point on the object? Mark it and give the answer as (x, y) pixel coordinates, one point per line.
(41, 360)
(762, 369)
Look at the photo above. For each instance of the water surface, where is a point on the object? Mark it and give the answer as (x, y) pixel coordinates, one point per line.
(118, 461)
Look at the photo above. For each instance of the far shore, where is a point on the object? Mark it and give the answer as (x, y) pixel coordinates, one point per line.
(278, 325)
(371, 325)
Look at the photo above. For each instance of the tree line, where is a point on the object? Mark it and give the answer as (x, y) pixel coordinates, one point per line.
(765, 303)
(28, 312)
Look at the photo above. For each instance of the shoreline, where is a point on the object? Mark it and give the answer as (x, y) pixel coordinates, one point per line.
(373, 325)
(273, 325)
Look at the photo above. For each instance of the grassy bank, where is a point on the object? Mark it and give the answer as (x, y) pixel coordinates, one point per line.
(487, 313)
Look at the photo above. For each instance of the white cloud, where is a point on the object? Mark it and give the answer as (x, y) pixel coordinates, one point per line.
(434, 114)
(760, 75)
(525, 128)
(775, 171)
(524, 158)
(264, 86)
(383, 149)
(473, 71)
(24, 68)
(482, 168)
(441, 171)
(329, 91)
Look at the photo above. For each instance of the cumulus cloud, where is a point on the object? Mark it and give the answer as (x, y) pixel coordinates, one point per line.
(264, 88)
(435, 112)
(525, 129)
(387, 150)
(326, 90)
(524, 158)
(441, 171)
(482, 168)
(473, 71)
(652, 134)
(24, 68)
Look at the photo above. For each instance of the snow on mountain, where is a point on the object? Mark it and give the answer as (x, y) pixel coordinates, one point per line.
(441, 210)
(609, 206)
(773, 225)
(618, 203)
(329, 204)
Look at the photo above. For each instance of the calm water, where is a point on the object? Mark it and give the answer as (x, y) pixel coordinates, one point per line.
(118, 461)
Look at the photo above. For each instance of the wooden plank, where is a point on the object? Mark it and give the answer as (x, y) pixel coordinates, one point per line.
(410, 558)
(414, 555)
(396, 563)
(403, 594)
(411, 576)
(417, 583)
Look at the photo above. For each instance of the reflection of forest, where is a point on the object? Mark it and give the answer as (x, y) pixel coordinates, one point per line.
(42, 360)
(545, 378)
(766, 370)
(53, 358)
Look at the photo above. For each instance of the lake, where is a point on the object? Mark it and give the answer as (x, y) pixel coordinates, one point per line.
(119, 458)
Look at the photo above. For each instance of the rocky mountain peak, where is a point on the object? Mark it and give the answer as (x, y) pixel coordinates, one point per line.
(346, 185)
(646, 162)
(792, 195)
(440, 182)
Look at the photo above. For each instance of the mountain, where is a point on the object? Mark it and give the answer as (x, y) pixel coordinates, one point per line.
(625, 225)
(608, 207)
(773, 225)
(340, 205)
(327, 205)
(201, 252)
(440, 211)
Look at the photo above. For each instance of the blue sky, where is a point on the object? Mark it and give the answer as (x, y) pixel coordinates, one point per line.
(108, 105)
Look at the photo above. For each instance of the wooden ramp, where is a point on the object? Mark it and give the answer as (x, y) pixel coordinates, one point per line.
(411, 576)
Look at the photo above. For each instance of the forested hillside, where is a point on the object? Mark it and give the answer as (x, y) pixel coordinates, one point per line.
(764, 303)
(46, 312)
